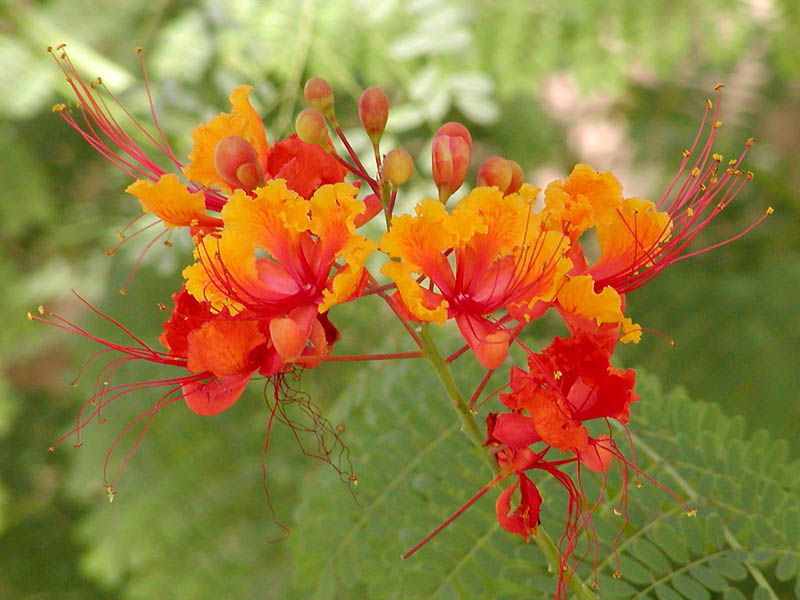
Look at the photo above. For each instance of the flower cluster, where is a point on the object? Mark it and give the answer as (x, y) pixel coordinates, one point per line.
(279, 241)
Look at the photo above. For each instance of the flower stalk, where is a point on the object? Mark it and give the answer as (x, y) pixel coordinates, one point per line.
(470, 428)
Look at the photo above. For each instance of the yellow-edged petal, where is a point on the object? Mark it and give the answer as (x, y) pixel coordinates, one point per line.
(631, 238)
(416, 239)
(585, 199)
(169, 200)
(413, 294)
(578, 298)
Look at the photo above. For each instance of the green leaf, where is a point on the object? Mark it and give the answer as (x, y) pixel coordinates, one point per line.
(786, 567)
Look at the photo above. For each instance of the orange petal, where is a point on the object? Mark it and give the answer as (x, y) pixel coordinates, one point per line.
(578, 298)
(631, 238)
(170, 201)
(213, 397)
(223, 347)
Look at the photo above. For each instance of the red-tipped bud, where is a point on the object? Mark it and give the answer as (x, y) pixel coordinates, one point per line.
(319, 95)
(372, 206)
(373, 110)
(504, 174)
(397, 167)
(452, 147)
(311, 128)
(236, 161)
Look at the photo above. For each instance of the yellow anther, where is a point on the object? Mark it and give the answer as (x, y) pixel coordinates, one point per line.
(703, 187)
(557, 375)
(616, 574)
(41, 309)
(59, 107)
(717, 124)
(695, 172)
(691, 513)
(194, 222)
(749, 142)
(161, 306)
(123, 291)
(769, 210)
(690, 211)
(30, 316)
(686, 153)
(719, 86)
(709, 104)
(617, 512)
(717, 157)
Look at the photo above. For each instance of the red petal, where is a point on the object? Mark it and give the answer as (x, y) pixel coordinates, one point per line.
(213, 397)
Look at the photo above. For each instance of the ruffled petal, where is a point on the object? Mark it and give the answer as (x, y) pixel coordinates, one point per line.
(170, 201)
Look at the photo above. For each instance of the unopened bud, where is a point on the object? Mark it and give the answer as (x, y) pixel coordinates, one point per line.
(319, 95)
(373, 110)
(397, 167)
(311, 128)
(452, 147)
(236, 161)
(506, 175)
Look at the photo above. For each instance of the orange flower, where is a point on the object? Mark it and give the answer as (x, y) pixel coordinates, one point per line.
(491, 252)
(314, 260)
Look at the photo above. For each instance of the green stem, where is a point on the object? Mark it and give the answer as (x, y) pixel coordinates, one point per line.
(470, 427)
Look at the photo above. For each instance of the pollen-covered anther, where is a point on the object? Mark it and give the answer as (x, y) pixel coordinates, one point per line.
(769, 210)
(60, 107)
(717, 157)
(398, 166)
(691, 513)
(717, 124)
(319, 95)
(749, 143)
(373, 110)
(311, 128)
(450, 153)
(236, 162)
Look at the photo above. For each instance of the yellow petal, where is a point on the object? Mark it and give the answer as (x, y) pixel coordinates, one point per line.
(169, 200)
(577, 297)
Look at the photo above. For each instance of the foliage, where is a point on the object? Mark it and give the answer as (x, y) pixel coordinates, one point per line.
(745, 534)
(645, 64)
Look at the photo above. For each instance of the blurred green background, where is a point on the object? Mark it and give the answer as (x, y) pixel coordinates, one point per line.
(617, 84)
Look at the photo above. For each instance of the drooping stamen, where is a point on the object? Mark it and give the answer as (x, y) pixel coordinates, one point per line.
(103, 132)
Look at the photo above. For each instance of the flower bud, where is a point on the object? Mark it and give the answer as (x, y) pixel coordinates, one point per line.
(397, 167)
(319, 95)
(373, 110)
(451, 150)
(236, 161)
(506, 175)
(311, 128)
